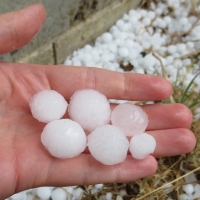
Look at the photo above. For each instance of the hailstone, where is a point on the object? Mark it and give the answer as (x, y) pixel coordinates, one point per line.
(131, 119)
(64, 138)
(108, 144)
(142, 145)
(48, 105)
(89, 108)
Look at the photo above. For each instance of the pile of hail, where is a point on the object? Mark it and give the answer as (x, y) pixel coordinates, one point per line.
(90, 114)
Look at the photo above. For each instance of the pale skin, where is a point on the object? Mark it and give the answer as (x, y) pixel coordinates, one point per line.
(24, 163)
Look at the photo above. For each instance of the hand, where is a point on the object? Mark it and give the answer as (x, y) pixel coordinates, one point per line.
(24, 162)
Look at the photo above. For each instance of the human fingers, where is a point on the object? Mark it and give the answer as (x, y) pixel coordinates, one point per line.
(84, 170)
(19, 27)
(114, 85)
(173, 142)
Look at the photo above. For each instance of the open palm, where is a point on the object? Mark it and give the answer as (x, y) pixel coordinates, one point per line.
(24, 163)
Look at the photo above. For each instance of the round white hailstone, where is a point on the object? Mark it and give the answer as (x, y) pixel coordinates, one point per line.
(108, 196)
(119, 42)
(68, 62)
(105, 57)
(108, 144)
(76, 63)
(171, 49)
(146, 21)
(139, 70)
(30, 197)
(167, 19)
(69, 190)
(107, 37)
(196, 191)
(151, 15)
(126, 27)
(131, 119)
(192, 19)
(44, 192)
(77, 193)
(99, 186)
(187, 62)
(146, 45)
(184, 197)
(190, 45)
(158, 11)
(64, 138)
(89, 108)
(123, 52)
(120, 23)
(48, 105)
(149, 60)
(188, 188)
(59, 194)
(183, 20)
(169, 60)
(19, 196)
(162, 24)
(181, 47)
(143, 12)
(125, 17)
(142, 145)
(122, 192)
(133, 20)
(128, 43)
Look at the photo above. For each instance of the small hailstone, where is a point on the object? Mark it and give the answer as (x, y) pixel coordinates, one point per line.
(181, 47)
(184, 197)
(167, 19)
(142, 145)
(188, 189)
(107, 37)
(99, 186)
(151, 15)
(19, 196)
(146, 21)
(171, 49)
(190, 45)
(63, 138)
(76, 63)
(48, 105)
(68, 62)
(183, 20)
(77, 193)
(123, 52)
(108, 196)
(131, 119)
(59, 194)
(108, 145)
(44, 192)
(187, 62)
(196, 191)
(149, 60)
(89, 108)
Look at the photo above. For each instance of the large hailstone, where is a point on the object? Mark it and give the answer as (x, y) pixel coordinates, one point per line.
(48, 105)
(142, 145)
(89, 108)
(108, 144)
(64, 138)
(131, 119)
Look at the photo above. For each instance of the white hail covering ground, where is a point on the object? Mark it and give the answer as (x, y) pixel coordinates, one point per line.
(89, 108)
(140, 31)
(48, 105)
(130, 119)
